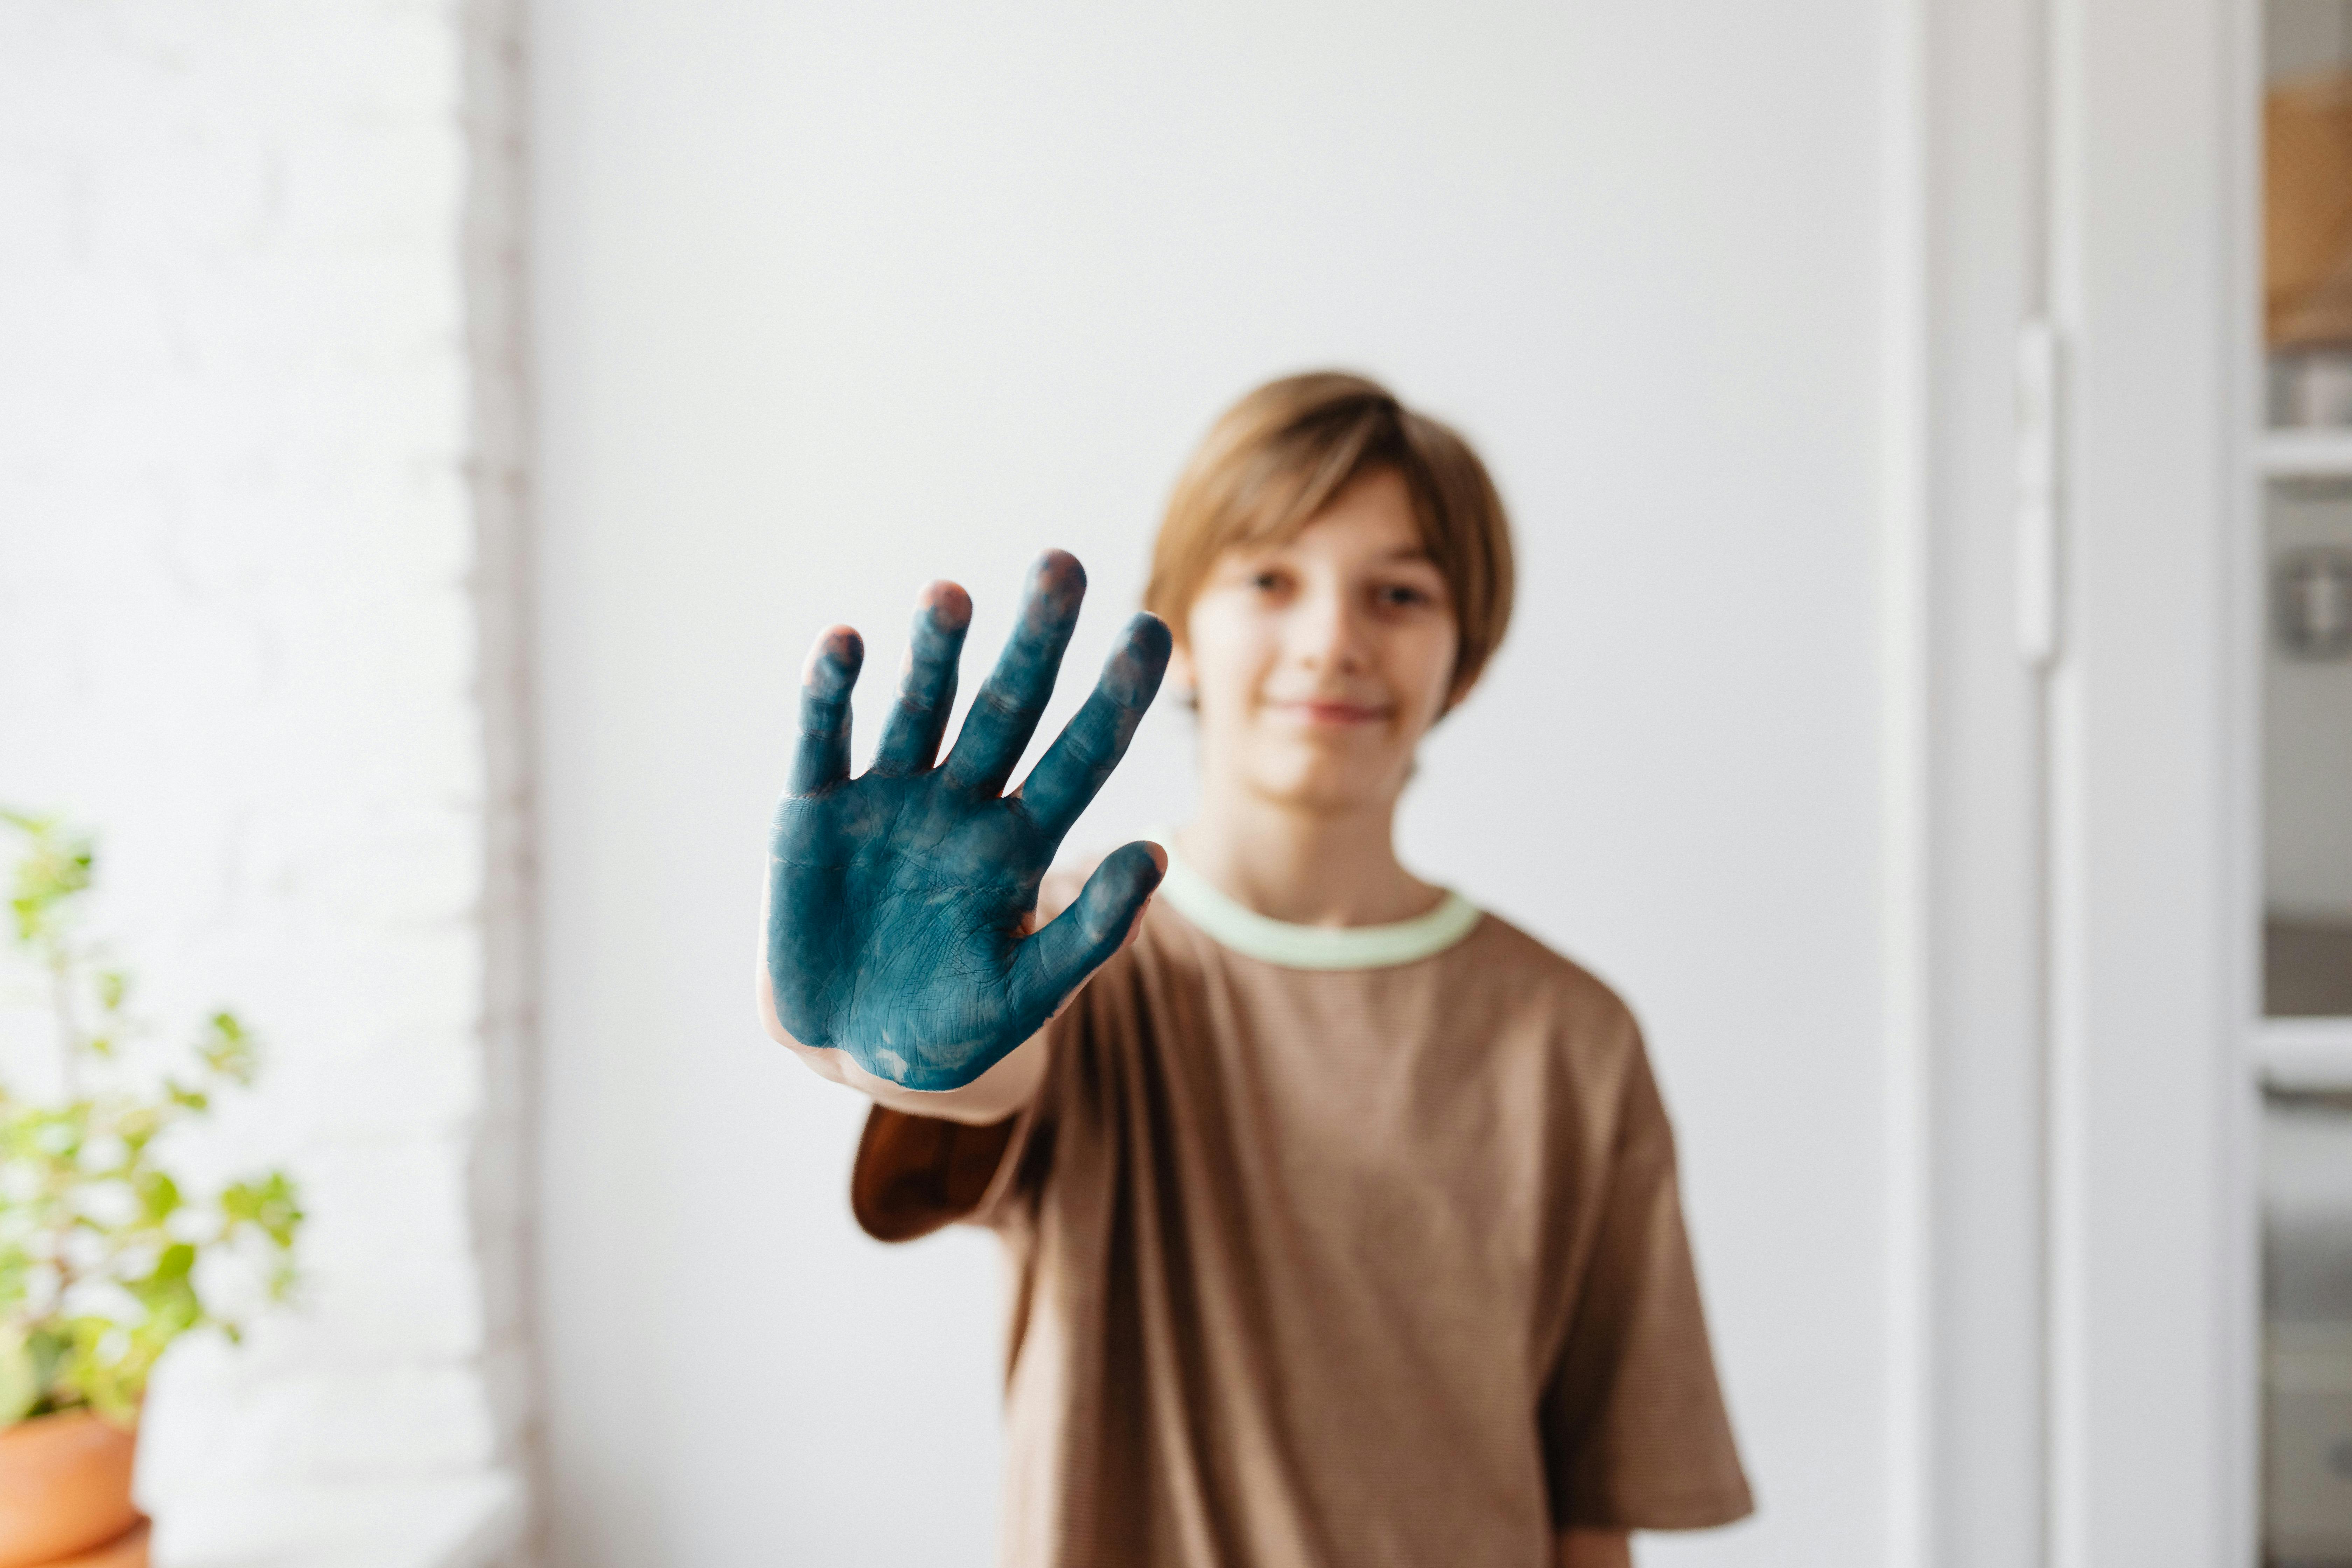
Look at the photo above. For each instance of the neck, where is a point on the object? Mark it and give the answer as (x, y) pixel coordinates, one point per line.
(1306, 866)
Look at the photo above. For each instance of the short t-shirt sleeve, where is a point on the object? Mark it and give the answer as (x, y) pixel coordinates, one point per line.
(915, 1173)
(1634, 1432)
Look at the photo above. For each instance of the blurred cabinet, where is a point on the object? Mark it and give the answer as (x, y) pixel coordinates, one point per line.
(2303, 1038)
(2308, 1350)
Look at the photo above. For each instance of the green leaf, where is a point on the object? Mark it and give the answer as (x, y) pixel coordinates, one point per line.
(227, 1049)
(15, 1277)
(272, 1204)
(159, 1197)
(174, 1264)
(56, 866)
(137, 1126)
(52, 1347)
(20, 1383)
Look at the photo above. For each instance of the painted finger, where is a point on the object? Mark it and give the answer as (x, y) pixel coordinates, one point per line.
(1059, 958)
(910, 736)
(821, 757)
(1005, 711)
(1066, 779)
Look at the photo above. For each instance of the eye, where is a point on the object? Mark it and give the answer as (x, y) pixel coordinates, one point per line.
(1400, 596)
(1267, 580)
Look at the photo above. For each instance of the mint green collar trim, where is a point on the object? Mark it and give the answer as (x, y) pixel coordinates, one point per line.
(1254, 936)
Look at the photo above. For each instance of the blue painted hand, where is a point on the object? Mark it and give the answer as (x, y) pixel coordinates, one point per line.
(900, 901)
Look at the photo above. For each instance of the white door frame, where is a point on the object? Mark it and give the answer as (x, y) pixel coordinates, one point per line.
(2152, 1278)
(2085, 1303)
(1982, 805)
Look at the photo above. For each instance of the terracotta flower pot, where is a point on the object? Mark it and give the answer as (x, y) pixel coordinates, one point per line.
(64, 1491)
(125, 1551)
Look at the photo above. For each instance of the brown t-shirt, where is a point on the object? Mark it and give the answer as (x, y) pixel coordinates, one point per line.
(1328, 1268)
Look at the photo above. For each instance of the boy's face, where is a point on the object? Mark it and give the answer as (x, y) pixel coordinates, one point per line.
(1318, 664)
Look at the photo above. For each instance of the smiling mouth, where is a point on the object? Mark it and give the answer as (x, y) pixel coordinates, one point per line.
(1335, 714)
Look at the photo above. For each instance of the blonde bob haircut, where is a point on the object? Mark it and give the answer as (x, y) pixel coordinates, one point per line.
(1278, 456)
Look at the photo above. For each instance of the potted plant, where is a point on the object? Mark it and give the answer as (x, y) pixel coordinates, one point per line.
(107, 1255)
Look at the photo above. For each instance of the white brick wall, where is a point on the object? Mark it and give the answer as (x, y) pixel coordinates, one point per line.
(260, 622)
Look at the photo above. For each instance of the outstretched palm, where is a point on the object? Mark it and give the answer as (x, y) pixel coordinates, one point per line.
(899, 902)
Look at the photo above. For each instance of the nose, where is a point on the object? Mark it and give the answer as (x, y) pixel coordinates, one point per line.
(1328, 634)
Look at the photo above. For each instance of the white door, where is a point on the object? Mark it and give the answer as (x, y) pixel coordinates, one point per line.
(2150, 1279)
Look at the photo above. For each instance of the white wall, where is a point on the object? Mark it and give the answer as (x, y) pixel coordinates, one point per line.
(256, 458)
(833, 301)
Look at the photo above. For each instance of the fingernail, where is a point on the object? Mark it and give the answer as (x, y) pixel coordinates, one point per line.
(947, 605)
(833, 659)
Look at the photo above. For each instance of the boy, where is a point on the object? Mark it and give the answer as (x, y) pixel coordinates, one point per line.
(1342, 1215)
